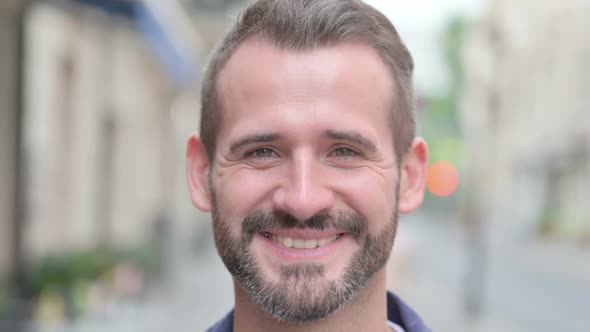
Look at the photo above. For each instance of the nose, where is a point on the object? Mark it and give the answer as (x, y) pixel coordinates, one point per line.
(306, 191)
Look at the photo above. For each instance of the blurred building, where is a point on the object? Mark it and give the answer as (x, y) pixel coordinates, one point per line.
(10, 31)
(526, 112)
(97, 131)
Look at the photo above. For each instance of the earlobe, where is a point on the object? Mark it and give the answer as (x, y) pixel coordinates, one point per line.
(197, 171)
(413, 176)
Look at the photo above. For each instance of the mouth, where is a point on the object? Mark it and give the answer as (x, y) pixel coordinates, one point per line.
(301, 243)
(306, 245)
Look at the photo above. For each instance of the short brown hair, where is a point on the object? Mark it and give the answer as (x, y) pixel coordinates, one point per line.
(307, 24)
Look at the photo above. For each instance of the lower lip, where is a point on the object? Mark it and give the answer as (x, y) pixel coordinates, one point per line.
(294, 254)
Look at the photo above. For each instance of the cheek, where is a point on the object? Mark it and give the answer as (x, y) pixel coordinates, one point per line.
(241, 192)
(369, 193)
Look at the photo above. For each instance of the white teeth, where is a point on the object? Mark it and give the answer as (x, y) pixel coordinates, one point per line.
(287, 242)
(298, 243)
(303, 243)
(310, 244)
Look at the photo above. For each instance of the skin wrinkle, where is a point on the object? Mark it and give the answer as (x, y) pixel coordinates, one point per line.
(353, 138)
(374, 157)
(235, 166)
(252, 140)
(383, 176)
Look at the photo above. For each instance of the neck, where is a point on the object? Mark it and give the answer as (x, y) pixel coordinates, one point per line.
(370, 304)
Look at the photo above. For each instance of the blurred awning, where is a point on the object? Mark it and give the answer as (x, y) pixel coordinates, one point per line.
(113, 7)
(168, 30)
(166, 27)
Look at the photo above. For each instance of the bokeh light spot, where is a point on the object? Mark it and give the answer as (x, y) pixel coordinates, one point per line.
(442, 178)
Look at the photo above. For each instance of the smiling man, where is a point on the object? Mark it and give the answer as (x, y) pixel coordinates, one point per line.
(306, 156)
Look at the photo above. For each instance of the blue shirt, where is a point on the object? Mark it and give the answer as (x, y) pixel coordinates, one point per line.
(397, 312)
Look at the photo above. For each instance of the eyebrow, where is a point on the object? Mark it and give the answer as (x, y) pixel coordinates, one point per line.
(252, 139)
(353, 137)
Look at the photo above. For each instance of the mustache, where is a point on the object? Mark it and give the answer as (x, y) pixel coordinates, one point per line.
(348, 222)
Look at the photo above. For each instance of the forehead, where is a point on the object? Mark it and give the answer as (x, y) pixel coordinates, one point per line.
(340, 63)
(349, 76)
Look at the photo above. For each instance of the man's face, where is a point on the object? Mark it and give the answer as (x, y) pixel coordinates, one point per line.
(304, 181)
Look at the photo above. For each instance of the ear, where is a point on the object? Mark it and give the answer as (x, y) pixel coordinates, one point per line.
(413, 176)
(197, 172)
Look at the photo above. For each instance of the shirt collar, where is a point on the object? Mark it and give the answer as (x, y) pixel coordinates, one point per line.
(397, 312)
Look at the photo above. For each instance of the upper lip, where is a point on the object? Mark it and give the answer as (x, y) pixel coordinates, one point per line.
(303, 233)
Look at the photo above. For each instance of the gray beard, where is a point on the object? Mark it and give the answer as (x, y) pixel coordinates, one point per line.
(303, 294)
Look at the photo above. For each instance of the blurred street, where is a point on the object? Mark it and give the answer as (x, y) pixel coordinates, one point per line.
(528, 287)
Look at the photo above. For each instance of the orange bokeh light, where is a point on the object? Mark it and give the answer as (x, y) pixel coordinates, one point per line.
(442, 178)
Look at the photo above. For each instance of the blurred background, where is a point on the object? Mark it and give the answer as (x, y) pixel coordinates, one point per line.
(97, 98)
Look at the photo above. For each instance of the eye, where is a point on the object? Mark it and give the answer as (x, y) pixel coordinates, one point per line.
(344, 152)
(261, 153)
